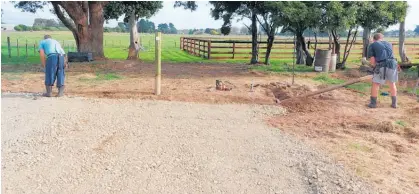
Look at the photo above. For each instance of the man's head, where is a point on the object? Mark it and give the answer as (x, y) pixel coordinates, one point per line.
(378, 37)
(47, 36)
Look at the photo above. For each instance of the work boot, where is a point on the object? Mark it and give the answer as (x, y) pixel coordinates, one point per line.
(394, 101)
(49, 91)
(60, 91)
(373, 103)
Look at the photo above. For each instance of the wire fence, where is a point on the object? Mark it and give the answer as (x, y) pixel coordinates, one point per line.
(25, 51)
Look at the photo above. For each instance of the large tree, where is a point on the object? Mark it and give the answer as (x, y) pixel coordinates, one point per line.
(84, 19)
(133, 10)
(375, 14)
(270, 19)
(297, 17)
(337, 17)
(226, 10)
(145, 26)
(416, 30)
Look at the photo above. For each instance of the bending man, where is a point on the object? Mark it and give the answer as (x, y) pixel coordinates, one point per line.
(53, 61)
(381, 57)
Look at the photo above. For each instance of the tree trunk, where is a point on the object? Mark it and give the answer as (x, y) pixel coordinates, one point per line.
(255, 57)
(87, 25)
(96, 29)
(271, 39)
(336, 46)
(348, 47)
(365, 41)
(402, 49)
(303, 55)
(133, 37)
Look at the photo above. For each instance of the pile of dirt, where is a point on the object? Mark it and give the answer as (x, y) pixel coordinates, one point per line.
(283, 90)
(305, 105)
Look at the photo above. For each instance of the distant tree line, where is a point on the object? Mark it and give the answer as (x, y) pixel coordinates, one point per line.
(41, 24)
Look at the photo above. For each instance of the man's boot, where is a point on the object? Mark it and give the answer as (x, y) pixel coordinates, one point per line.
(394, 101)
(49, 91)
(373, 103)
(60, 91)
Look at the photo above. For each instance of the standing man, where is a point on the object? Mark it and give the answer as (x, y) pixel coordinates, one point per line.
(54, 63)
(381, 57)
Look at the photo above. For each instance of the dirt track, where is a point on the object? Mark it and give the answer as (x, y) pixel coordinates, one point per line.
(78, 145)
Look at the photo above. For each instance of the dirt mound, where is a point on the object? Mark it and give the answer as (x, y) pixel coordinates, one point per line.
(282, 90)
(305, 105)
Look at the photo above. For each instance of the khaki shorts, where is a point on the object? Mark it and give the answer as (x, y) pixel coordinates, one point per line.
(391, 75)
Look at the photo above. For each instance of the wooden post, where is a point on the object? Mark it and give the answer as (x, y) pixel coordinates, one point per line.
(158, 63)
(26, 47)
(8, 47)
(17, 44)
(234, 48)
(199, 48)
(209, 49)
(181, 43)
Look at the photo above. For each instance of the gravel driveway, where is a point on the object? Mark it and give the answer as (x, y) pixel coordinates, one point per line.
(80, 145)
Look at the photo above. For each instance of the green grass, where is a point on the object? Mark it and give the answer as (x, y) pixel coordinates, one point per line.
(361, 87)
(107, 76)
(325, 79)
(116, 47)
(401, 123)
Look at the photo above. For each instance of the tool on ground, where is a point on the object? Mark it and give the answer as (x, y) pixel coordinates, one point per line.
(384, 94)
(330, 88)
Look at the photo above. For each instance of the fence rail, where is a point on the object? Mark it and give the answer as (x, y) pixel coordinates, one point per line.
(281, 49)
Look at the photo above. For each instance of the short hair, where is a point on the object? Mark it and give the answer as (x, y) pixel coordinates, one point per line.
(378, 36)
(47, 36)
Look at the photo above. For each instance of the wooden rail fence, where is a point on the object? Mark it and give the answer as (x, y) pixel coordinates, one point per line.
(281, 49)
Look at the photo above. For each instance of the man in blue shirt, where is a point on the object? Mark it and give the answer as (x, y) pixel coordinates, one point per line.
(54, 62)
(380, 53)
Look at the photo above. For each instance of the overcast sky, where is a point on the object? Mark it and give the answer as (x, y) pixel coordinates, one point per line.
(182, 19)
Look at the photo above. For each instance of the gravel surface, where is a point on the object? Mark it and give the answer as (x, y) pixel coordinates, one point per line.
(80, 145)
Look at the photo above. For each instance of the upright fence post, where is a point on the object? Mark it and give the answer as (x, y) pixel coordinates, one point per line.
(181, 43)
(17, 44)
(199, 48)
(209, 49)
(26, 46)
(34, 49)
(158, 63)
(8, 47)
(234, 48)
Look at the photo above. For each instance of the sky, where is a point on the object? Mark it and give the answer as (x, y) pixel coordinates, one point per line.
(182, 19)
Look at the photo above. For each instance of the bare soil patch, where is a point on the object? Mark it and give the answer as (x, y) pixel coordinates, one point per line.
(380, 145)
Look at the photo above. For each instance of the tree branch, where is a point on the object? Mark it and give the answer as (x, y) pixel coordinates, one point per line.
(263, 26)
(61, 16)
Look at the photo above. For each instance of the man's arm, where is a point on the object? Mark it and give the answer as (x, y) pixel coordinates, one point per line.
(372, 61)
(371, 55)
(42, 55)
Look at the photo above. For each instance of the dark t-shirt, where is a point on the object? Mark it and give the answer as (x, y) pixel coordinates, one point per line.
(381, 50)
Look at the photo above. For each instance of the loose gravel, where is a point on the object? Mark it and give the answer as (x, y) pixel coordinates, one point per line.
(80, 145)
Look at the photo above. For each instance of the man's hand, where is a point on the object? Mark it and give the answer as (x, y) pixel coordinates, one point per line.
(65, 62)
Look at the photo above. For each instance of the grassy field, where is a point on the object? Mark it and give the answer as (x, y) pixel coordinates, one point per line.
(116, 44)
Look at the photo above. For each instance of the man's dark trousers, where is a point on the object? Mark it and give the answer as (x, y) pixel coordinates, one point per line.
(54, 70)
